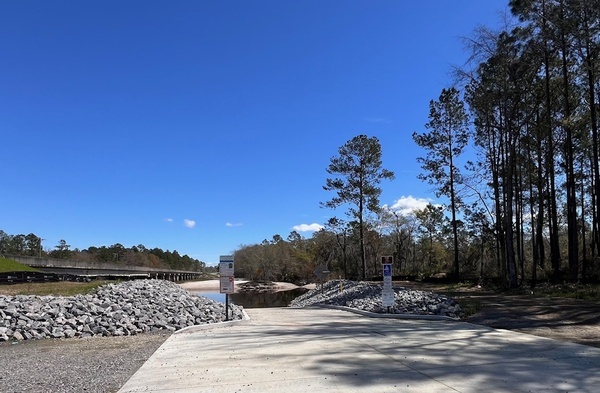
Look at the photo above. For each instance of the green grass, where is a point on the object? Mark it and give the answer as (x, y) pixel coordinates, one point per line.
(60, 288)
(8, 265)
(589, 292)
(461, 292)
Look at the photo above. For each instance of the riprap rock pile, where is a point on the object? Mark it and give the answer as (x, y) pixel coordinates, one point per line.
(367, 297)
(121, 309)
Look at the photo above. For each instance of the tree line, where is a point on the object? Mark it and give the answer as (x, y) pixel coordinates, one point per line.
(525, 208)
(533, 97)
(31, 245)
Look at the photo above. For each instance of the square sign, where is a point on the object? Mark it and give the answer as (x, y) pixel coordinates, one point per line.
(387, 259)
(226, 265)
(226, 268)
(227, 284)
(387, 299)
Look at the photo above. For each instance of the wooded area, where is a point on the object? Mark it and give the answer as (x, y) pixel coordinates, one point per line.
(533, 98)
(31, 245)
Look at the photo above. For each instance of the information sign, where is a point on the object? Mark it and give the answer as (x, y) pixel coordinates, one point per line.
(227, 284)
(226, 273)
(226, 269)
(387, 299)
(387, 270)
(226, 266)
(387, 293)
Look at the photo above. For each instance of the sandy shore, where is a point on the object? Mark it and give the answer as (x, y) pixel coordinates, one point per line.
(213, 285)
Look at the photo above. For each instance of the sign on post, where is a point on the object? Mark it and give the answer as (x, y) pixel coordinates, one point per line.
(226, 273)
(387, 293)
(226, 284)
(321, 272)
(387, 270)
(226, 269)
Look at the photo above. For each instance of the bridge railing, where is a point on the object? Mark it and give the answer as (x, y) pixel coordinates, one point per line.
(102, 269)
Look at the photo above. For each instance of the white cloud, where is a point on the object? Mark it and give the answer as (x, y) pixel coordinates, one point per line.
(168, 219)
(231, 224)
(307, 227)
(377, 120)
(189, 223)
(409, 205)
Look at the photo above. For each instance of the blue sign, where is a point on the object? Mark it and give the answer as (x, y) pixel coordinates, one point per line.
(387, 270)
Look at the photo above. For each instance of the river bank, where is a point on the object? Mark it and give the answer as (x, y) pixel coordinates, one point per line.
(214, 285)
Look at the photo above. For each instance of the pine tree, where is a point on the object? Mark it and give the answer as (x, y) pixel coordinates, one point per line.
(448, 136)
(360, 171)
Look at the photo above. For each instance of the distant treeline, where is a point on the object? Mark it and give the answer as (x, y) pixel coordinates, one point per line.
(31, 245)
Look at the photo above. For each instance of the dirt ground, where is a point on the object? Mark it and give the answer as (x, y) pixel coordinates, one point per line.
(561, 319)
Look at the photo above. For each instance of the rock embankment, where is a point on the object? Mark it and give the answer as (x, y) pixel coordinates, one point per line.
(123, 309)
(367, 297)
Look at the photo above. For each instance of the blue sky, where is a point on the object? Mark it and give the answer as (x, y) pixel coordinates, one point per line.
(199, 126)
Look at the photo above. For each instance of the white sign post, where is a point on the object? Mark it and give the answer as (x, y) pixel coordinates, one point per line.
(226, 279)
(226, 271)
(226, 284)
(387, 293)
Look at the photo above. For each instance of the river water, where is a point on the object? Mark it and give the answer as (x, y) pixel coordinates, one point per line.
(257, 299)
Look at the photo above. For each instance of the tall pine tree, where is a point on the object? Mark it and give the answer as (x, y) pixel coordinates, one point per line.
(447, 137)
(359, 170)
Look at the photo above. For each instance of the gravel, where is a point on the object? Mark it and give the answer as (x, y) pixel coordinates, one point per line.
(94, 365)
(367, 297)
(123, 309)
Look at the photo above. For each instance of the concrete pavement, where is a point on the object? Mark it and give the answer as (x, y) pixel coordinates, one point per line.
(329, 350)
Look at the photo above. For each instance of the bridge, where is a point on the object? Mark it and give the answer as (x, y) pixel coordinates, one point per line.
(93, 270)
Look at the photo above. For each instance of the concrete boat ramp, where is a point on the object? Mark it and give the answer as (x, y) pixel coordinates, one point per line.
(330, 350)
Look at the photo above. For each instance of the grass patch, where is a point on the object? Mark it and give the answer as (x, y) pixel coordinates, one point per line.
(589, 292)
(8, 265)
(466, 294)
(460, 293)
(60, 288)
(470, 306)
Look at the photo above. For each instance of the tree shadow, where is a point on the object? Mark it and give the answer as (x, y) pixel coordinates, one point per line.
(357, 351)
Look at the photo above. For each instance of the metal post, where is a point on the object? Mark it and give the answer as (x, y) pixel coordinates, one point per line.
(226, 307)
(41, 246)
